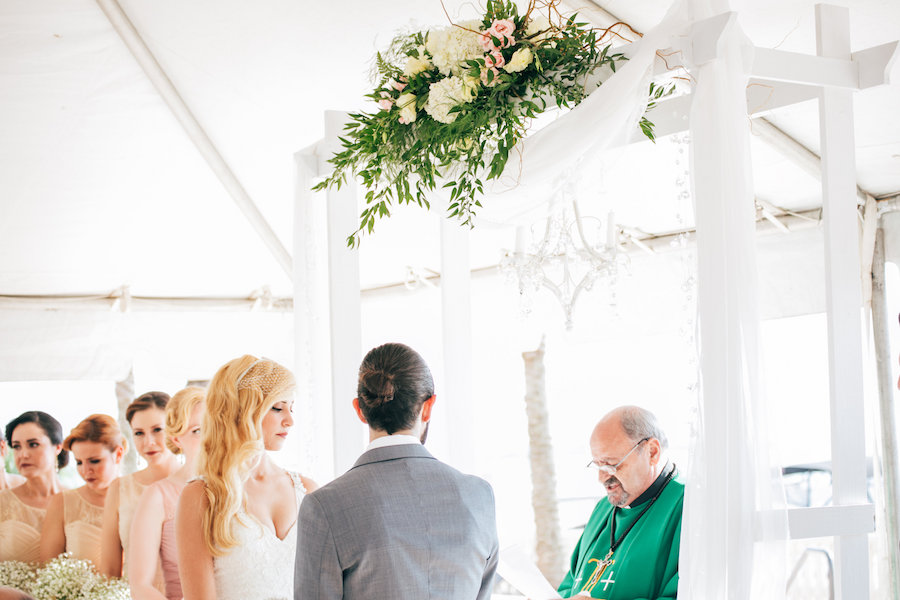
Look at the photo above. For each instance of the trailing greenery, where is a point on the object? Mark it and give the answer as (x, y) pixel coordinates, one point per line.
(455, 101)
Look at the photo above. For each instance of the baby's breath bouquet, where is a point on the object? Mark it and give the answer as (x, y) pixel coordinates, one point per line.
(16, 574)
(455, 101)
(63, 578)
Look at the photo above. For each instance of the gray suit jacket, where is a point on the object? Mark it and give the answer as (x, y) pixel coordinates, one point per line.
(399, 525)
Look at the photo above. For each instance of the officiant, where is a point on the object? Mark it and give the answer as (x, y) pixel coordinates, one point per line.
(629, 547)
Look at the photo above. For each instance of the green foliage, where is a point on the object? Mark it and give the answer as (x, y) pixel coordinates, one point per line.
(399, 161)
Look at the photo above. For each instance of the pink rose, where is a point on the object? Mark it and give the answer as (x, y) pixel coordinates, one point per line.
(493, 80)
(398, 85)
(494, 60)
(386, 102)
(502, 28)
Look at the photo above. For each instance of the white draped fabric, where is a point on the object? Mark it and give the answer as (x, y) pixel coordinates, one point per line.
(727, 549)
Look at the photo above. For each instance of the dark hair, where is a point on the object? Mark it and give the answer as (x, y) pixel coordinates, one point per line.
(145, 402)
(394, 382)
(50, 426)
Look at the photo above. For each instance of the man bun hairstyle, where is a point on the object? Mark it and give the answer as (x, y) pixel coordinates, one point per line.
(50, 426)
(394, 382)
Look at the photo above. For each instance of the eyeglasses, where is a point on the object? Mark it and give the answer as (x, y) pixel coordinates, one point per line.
(611, 469)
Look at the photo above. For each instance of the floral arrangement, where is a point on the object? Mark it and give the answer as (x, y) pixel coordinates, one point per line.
(63, 578)
(455, 101)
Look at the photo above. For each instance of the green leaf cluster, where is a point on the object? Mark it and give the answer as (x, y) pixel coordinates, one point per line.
(400, 163)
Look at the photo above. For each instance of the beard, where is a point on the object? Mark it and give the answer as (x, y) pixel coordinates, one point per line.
(424, 435)
(615, 493)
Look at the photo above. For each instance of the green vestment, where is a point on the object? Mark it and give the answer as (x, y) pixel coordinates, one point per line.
(646, 562)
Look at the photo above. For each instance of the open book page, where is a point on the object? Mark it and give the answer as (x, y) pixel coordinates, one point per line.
(517, 567)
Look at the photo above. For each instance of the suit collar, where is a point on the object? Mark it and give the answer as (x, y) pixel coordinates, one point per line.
(393, 453)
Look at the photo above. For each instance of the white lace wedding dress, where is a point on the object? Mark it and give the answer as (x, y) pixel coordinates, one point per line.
(262, 566)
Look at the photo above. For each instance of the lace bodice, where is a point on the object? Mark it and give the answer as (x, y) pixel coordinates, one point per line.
(20, 528)
(261, 567)
(83, 523)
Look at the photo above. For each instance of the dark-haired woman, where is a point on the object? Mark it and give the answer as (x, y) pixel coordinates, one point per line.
(36, 441)
(147, 418)
(7, 480)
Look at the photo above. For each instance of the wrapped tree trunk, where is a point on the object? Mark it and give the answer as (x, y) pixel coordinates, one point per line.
(124, 396)
(550, 557)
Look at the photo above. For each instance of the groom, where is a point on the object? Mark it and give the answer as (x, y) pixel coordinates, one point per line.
(399, 524)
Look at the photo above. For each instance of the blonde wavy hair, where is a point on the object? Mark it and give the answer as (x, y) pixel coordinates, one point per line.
(178, 413)
(239, 396)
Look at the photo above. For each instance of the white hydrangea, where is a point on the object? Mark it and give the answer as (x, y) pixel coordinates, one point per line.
(451, 47)
(443, 95)
(415, 65)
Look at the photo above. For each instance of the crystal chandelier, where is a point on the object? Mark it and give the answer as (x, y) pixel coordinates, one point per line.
(564, 261)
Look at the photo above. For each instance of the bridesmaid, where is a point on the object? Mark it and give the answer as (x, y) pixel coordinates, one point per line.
(147, 418)
(74, 517)
(36, 441)
(153, 526)
(7, 480)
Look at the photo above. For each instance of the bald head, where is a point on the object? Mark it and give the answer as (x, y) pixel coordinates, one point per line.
(635, 422)
(627, 445)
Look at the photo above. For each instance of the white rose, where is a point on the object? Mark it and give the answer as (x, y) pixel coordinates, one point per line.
(407, 105)
(521, 58)
(537, 24)
(415, 65)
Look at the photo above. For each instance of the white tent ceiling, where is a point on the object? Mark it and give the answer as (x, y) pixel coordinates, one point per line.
(101, 188)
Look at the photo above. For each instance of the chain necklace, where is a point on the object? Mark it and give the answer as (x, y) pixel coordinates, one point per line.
(613, 542)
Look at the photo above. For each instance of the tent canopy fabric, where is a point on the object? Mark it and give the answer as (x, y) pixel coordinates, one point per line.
(104, 194)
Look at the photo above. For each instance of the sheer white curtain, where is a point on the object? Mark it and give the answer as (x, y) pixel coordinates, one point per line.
(730, 533)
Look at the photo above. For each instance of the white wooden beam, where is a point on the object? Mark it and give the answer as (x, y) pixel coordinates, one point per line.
(778, 65)
(826, 521)
(456, 320)
(844, 303)
(160, 80)
(312, 343)
(876, 64)
(345, 306)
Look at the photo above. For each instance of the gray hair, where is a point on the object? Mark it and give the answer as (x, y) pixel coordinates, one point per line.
(639, 423)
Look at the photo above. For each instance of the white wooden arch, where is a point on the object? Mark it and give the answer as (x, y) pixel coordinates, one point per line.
(832, 76)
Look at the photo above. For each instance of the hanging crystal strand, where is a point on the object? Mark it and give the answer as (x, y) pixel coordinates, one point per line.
(687, 255)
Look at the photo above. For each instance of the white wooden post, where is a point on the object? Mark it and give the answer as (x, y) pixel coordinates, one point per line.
(456, 313)
(843, 300)
(312, 366)
(345, 306)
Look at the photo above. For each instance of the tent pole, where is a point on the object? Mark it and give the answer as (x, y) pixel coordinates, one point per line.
(887, 414)
(123, 26)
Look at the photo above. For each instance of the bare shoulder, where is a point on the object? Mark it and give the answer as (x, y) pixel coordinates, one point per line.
(113, 492)
(194, 493)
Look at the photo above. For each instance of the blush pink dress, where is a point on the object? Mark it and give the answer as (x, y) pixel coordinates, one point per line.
(168, 553)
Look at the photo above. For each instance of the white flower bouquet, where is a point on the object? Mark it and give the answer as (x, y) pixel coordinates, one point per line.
(63, 578)
(454, 101)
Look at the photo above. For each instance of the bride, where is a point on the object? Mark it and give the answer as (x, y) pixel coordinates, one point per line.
(236, 523)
